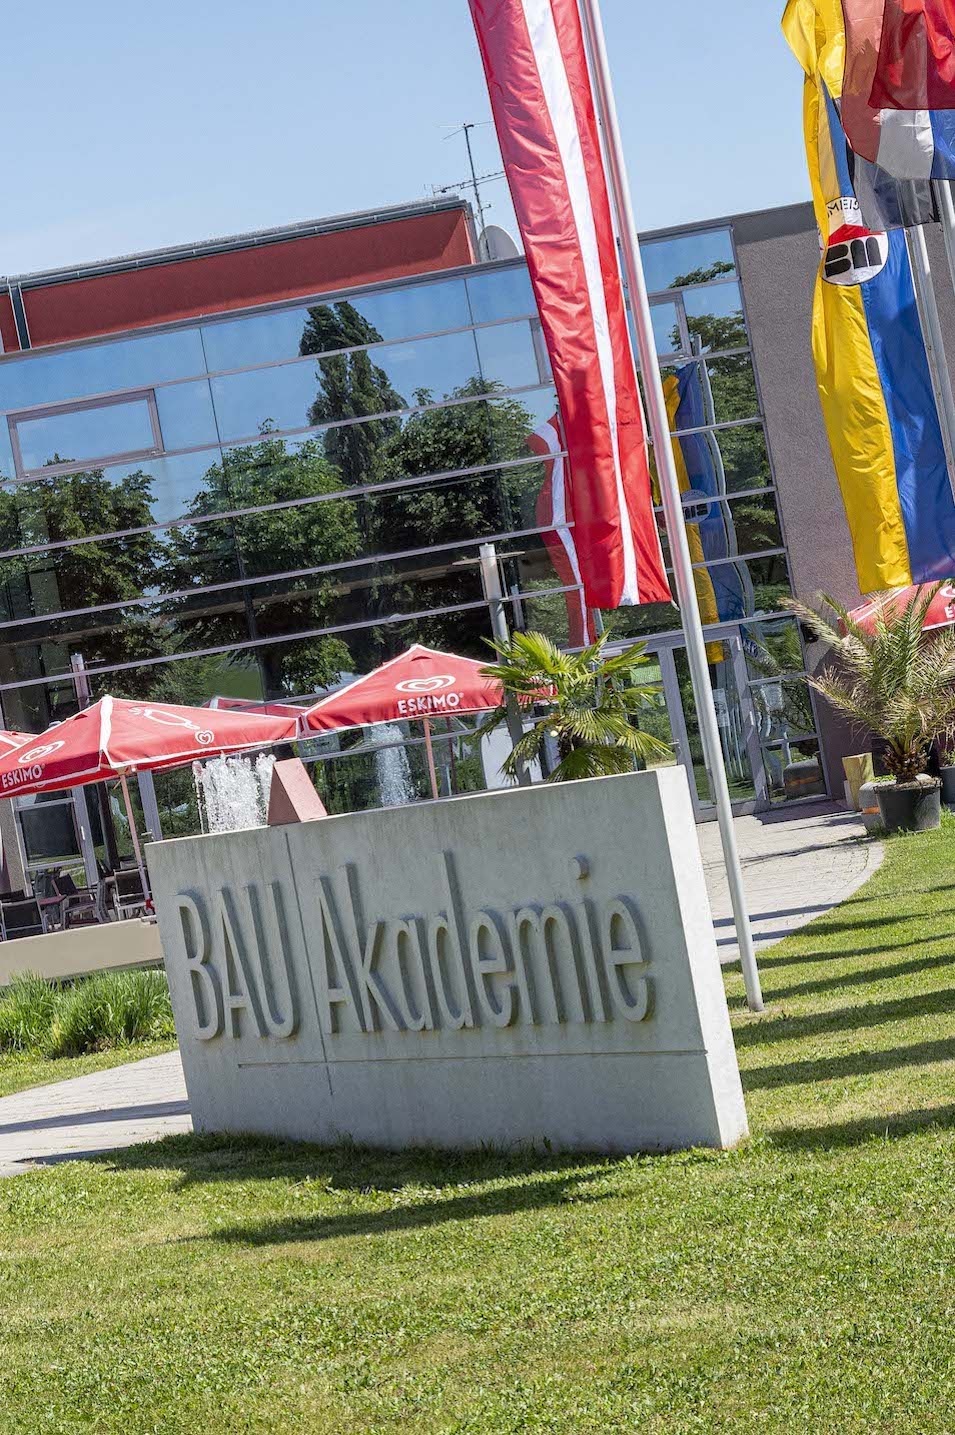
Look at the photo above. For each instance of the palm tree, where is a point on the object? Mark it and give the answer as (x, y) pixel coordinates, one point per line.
(590, 704)
(893, 681)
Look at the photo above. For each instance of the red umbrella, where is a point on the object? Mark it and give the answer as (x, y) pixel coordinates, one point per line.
(114, 737)
(940, 614)
(257, 706)
(11, 740)
(422, 683)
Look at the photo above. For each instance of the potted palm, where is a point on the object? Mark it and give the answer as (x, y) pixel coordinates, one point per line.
(946, 764)
(897, 684)
(584, 704)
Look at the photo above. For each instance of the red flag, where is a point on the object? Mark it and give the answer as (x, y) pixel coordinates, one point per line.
(539, 84)
(555, 514)
(916, 65)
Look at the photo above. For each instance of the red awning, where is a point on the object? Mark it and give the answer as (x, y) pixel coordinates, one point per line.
(11, 740)
(421, 683)
(940, 614)
(114, 737)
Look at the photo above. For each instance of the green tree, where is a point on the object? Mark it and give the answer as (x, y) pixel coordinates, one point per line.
(290, 538)
(82, 576)
(589, 704)
(890, 679)
(351, 386)
(463, 435)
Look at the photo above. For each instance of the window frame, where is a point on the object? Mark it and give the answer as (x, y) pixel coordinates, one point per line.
(53, 470)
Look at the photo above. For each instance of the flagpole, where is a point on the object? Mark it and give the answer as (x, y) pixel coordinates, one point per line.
(670, 491)
(932, 334)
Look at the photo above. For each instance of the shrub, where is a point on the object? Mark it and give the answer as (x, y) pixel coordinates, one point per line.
(27, 1010)
(107, 1010)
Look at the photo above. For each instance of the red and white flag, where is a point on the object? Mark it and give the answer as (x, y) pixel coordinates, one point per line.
(555, 515)
(916, 64)
(539, 83)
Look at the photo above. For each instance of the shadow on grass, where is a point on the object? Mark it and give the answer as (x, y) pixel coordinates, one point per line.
(767, 962)
(847, 1018)
(418, 1214)
(870, 976)
(892, 1127)
(847, 1064)
(197, 1159)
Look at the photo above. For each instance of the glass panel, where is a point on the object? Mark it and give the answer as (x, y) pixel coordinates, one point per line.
(49, 832)
(84, 434)
(732, 725)
(508, 356)
(716, 392)
(337, 324)
(186, 415)
(666, 328)
(189, 680)
(745, 457)
(784, 711)
(719, 528)
(99, 368)
(773, 648)
(794, 770)
(97, 501)
(500, 294)
(344, 386)
(763, 582)
(687, 259)
(434, 441)
(714, 317)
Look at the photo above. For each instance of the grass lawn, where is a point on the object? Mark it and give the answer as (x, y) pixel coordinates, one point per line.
(805, 1282)
(18, 1070)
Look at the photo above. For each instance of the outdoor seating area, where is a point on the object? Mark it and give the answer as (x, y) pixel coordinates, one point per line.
(57, 904)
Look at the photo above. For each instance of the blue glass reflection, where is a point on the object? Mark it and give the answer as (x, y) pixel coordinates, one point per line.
(85, 434)
(508, 355)
(186, 415)
(687, 259)
(280, 334)
(500, 294)
(99, 368)
(340, 387)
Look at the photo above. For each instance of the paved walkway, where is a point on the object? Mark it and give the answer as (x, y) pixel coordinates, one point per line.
(121, 1107)
(795, 868)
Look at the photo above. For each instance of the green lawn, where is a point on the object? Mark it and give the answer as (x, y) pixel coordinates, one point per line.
(803, 1283)
(18, 1070)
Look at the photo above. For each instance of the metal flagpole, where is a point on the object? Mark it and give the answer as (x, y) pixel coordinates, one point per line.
(670, 487)
(932, 330)
(946, 209)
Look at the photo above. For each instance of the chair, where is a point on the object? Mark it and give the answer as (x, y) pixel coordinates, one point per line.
(76, 903)
(128, 895)
(20, 917)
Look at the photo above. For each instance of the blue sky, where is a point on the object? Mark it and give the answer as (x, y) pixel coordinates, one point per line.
(133, 126)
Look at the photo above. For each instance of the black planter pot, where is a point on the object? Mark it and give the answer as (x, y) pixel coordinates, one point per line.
(911, 808)
(947, 774)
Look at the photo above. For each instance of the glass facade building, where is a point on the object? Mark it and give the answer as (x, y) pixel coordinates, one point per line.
(261, 504)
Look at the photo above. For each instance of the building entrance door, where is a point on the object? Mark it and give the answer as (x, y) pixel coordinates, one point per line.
(736, 715)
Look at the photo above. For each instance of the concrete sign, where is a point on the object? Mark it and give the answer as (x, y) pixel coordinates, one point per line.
(516, 967)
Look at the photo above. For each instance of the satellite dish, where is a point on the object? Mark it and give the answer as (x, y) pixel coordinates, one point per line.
(496, 243)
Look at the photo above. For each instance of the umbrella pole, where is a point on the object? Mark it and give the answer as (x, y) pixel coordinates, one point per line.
(430, 751)
(134, 834)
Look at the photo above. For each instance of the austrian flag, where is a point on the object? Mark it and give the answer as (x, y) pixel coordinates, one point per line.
(539, 83)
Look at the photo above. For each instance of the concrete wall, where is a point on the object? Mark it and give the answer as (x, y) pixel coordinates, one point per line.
(82, 950)
(514, 967)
